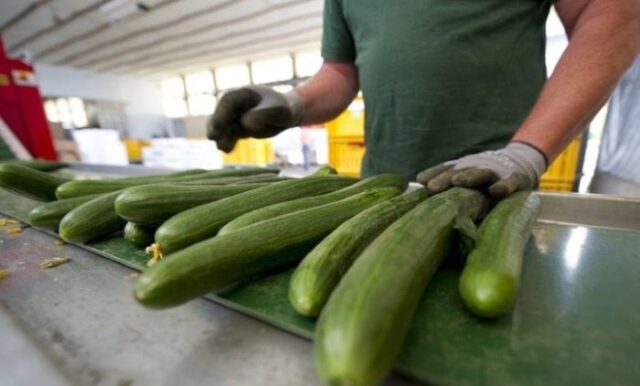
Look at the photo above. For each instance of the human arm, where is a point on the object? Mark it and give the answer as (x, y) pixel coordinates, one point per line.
(603, 41)
(259, 111)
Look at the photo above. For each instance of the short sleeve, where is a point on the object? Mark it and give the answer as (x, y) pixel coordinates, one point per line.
(337, 40)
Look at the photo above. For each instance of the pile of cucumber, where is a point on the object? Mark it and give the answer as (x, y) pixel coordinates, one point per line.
(364, 251)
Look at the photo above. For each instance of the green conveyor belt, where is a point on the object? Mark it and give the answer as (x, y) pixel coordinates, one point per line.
(576, 322)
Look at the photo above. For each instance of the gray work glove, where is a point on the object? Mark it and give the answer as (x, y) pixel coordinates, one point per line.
(518, 166)
(253, 111)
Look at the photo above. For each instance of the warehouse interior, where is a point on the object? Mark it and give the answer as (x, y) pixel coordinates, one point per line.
(151, 72)
(125, 88)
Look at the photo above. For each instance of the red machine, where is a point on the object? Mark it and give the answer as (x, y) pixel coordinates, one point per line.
(21, 106)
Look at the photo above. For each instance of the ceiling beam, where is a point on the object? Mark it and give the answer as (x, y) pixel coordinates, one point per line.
(23, 14)
(73, 59)
(77, 38)
(239, 51)
(73, 17)
(208, 43)
(181, 60)
(115, 56)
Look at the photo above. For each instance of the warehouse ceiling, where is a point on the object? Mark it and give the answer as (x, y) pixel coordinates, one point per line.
(157, 37)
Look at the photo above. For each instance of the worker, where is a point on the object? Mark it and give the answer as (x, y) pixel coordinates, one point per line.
(456, 92)
(617, 171)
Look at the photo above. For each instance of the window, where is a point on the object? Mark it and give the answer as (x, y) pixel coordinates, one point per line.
(200, 83)
(173, 101)
(283, 88)
(51, 111)
(200, 91)
(78, 114)
(70, 113)
(64, 113)
(307, 63)
(232, 76)
(272, 70)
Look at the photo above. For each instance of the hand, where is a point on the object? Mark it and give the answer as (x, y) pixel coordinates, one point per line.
(253, 111)
(518, 166)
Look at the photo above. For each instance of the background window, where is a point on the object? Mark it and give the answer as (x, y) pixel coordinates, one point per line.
(272, 70)
(173, 94)
(78, 114)
(200, 93)
(232, 76)
(307, 63)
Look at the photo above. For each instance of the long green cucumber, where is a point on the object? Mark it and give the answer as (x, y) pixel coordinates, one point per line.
(271, 211)
(92, 220)
(235, 180)
(49, 215)
(151, 205)
(363, 325)
(29, 182)
(204, 221)
(224, 176)
(325, 170)
(161, 177)
(491, 276)
(139, 235)
(217, 262)
(318, 274)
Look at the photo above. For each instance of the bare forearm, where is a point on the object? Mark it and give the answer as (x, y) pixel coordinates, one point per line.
(603, 43)
(328, 92)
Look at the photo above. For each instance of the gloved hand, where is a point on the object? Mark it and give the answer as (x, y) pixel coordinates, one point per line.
(518, 166)
(253, 111)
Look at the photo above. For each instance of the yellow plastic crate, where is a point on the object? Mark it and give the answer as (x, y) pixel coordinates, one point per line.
(250, 151)
(345, 154)
(134, 148)
(350, 123)
(562, 173)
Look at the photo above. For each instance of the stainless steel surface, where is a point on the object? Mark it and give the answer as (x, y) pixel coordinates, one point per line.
(590, 210)
(91, 331)
(21, 360)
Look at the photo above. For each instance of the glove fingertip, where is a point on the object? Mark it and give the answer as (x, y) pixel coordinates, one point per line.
(226, 144)
(435, 187)
(460, 180)
(499, 190)
(429, 174)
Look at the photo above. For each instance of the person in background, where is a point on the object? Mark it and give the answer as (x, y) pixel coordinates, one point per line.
(306, 140)
(456, 92)
(617, 171)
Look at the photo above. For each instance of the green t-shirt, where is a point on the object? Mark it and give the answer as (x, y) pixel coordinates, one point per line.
(440, 78)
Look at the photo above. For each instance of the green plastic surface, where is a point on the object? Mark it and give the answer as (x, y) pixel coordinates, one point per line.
(576, 321)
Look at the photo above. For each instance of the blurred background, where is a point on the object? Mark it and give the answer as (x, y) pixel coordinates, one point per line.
(134, 82)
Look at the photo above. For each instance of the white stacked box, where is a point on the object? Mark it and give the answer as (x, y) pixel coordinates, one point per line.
(181, 153)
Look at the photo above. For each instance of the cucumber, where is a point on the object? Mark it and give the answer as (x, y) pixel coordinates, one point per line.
(363, 325)
(160, 177)
(204, 221)
(217, 262)
(325, 170)
(92, 220)
(49, 215)
(320, 271)
(29, 182)
(491, 276)
(224, 176)
(42, 165)
(151, 205)
(271, 211)
(258, 178)
(139, 235)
